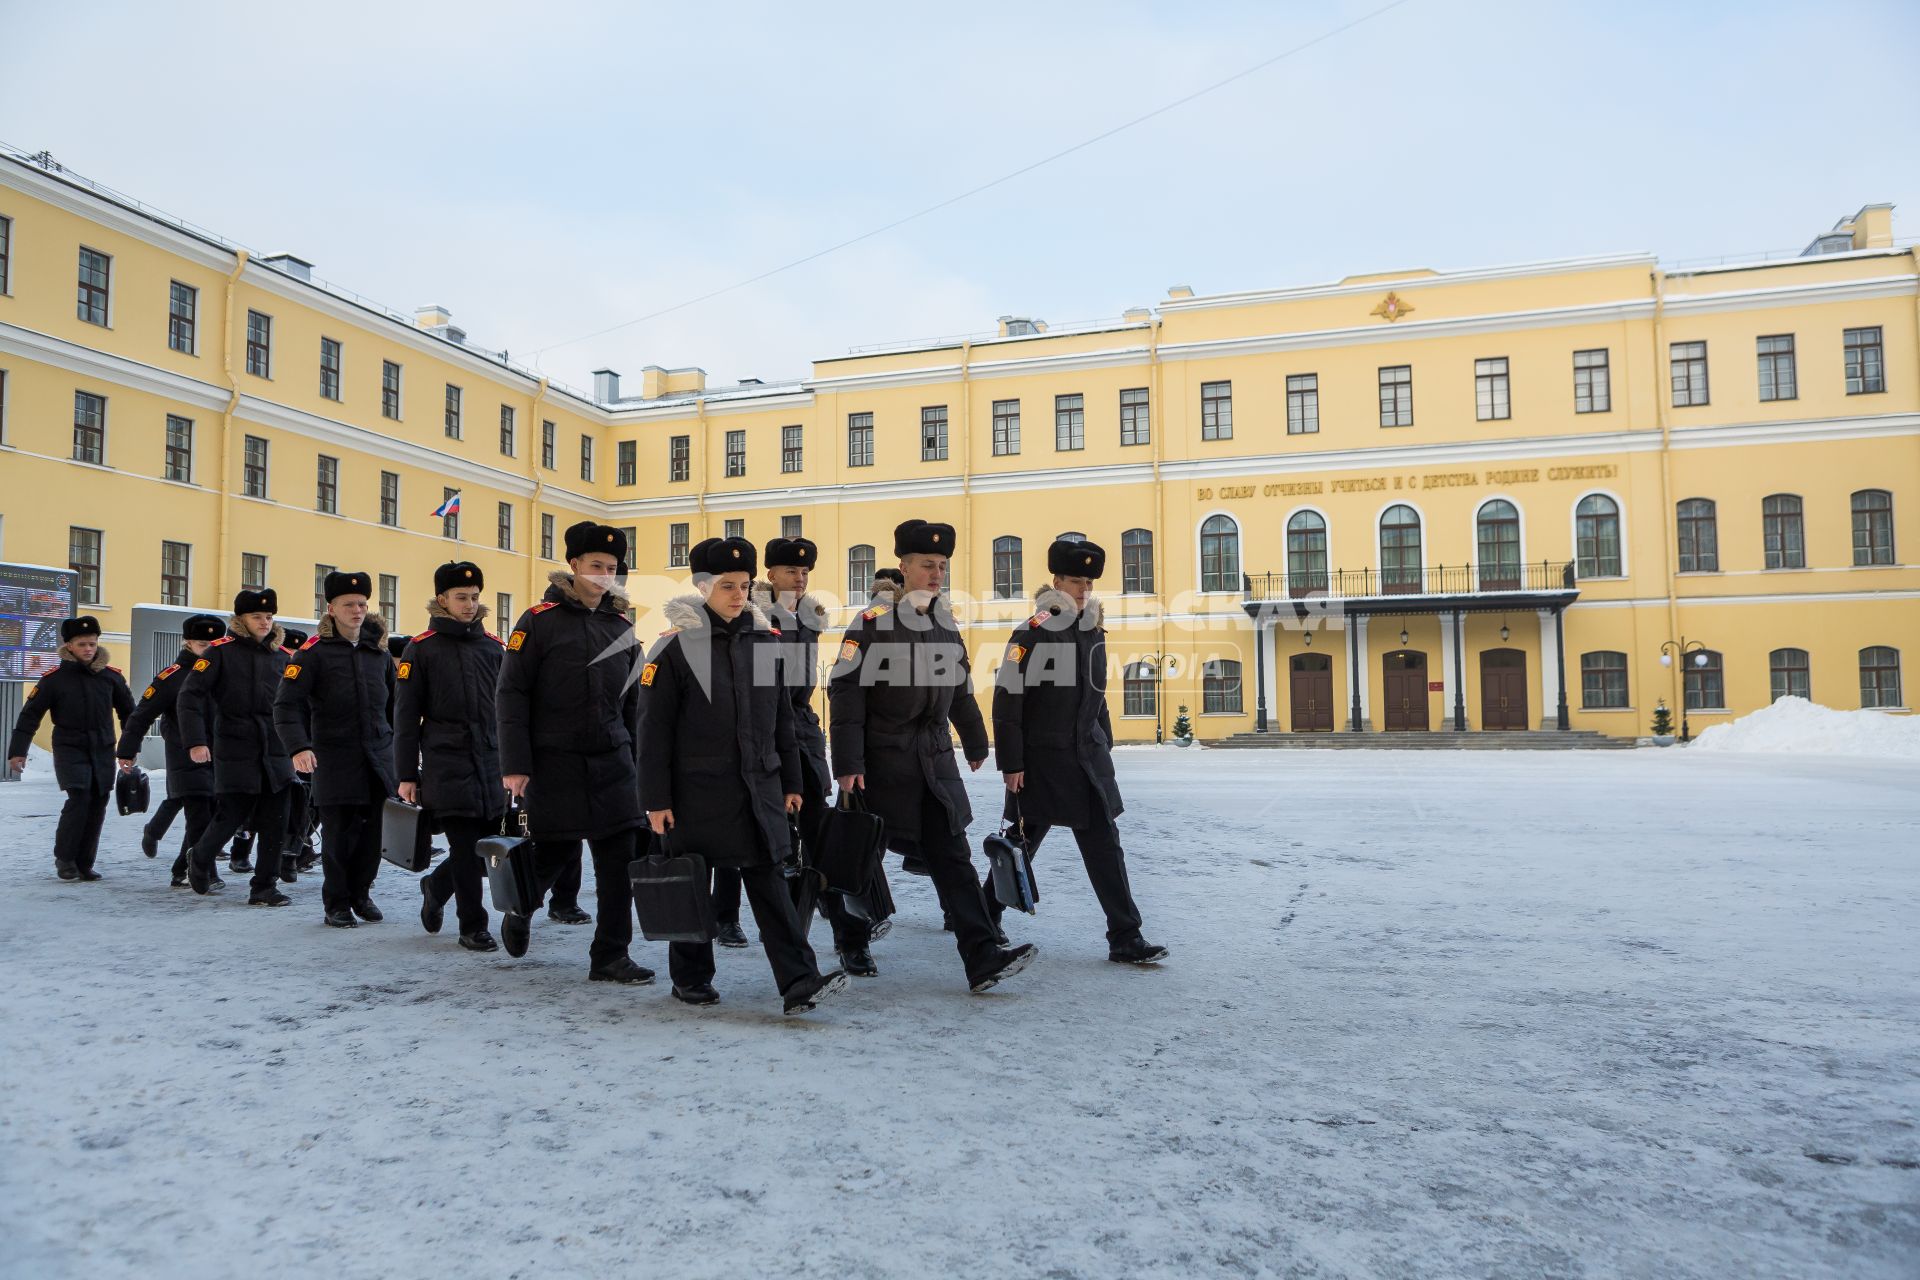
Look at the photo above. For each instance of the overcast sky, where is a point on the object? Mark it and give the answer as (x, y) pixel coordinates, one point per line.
(549, 170)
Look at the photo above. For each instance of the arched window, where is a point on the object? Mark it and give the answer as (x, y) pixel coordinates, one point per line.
(1399, 549)
(1498, 532)
(1699, 536)
(1789, 674)
(1705, 685)
(1071, 535)
(1596, 533)
(859, 572)
(1136, 562)
(1007, 569)
(1873, 527)
(1783, 533)
(1879, 676)
(1138, 696)
(1220, 686)
(1219, 554)
(1306, 553)
(1603, 680)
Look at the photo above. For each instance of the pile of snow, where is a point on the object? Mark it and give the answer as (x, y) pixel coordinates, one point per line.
(1799, 727)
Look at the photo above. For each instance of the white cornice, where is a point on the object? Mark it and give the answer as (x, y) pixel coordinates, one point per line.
(1894, 286)
(1376, 284)
(115, 217)
(89, 363)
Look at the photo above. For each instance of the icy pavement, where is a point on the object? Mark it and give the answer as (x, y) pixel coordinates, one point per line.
(1650, 1013)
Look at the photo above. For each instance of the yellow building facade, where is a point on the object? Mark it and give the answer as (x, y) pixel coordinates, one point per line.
(1411, 501)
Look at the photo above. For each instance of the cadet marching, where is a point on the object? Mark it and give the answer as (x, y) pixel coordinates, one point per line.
(702, 750)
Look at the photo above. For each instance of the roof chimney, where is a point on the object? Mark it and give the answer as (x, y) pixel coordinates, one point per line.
(606, 386)
(439, 322)
(1137, 315)
(1020, 327)
(1180, 291)
(298, 268)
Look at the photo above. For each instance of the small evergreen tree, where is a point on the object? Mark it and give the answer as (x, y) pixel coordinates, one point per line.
(1662, 720)
(1182, 726)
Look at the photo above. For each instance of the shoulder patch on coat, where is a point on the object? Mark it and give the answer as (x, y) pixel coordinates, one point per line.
(222, 640)
(311, 641)
(1015, 652)
(292, 672)
(646, 675)
(406, 669)
(428, 634)
(515, 640)
(164, 672)
(144, 696)
(875, 612)
(543, 606)
(849, 649)
(201, 665)
(1040, 619)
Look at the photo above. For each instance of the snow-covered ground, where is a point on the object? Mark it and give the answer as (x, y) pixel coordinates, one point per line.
(1796, 726)
(1650, 1013)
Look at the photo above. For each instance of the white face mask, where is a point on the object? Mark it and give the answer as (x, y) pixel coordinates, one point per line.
(602, 584)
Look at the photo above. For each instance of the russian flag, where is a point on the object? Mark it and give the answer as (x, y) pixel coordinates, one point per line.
(451, 507)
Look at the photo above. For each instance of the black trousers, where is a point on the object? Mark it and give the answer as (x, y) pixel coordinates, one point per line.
(691, 963)
(566, 889)
(77, 838)
(726, 895)
(349, 849)
(264, 812)
(199, 816)
(461, 873)
(613, 892)
(156, 826)
(1106, 866)
(949, 860)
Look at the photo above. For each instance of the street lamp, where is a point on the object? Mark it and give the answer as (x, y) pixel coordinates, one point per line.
(1159, 662)
(1683, 647)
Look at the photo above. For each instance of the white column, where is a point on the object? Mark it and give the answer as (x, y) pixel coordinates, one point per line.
(1446, 670)
(1366, 675)
(1549, 672)
(1265, 635)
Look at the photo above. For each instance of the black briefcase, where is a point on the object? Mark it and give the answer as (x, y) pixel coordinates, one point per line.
(509, 861)
(1011, 867)
(852, 841)
(132, 791)
(672, 895)
(875, 906)
(406, 836)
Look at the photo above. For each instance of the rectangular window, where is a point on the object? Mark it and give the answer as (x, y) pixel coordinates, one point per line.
(453, 412)
(1006, 427)
(175, 561)
(89, 428)
(1135, 427)
(626, 462)
(6, 256)
(733, 528)
(676, 546)
(95, 269)
(503, 529)
(390, 390)
(389, 598)
(791, 455)
(320, 572)
(253, 571)
(1866, 365)
(83, 557)
(1603, 681)
(503, 609)
(1704, 687)
(1783, 531)
(1069, 423)
(179, 449)
(679, 458)
(859, 439)
(1216, 411)
(259, 345)
(1776, 368)
(1689, 370)
(450, 522)
(1592, 382)
(586, 457)
(1396, 396)
(506, 430)
(253, 467)
(546, 536)
(390, 499)
(1303, 404)
(183, 307)
(933, 433)
(547, 437)
(790, 526)
(329, 369)
(326, 496)
(736, 453)
(1492, 397)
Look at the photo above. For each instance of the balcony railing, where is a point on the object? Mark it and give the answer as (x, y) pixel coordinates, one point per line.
(1432, 580)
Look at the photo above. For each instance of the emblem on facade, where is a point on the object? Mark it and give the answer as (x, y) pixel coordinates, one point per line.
(1392, 307)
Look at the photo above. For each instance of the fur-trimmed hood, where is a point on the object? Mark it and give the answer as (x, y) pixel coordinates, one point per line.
(807, 609)
(1053, 600)
(886, 591)
(98, 662)
(562, 580)
(373, 630)
(689, 612)
(238, 630)
(437, 610)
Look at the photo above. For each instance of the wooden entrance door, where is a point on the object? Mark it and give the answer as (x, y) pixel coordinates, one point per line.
(1503, 689)
(1311, 692)
(1406, 691)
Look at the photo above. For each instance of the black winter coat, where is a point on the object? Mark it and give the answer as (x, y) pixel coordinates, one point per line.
(444, 733)
(798, 631)
(716, 736)
(227, 704)
(900, 678)
(337, 702)
(1050, 716)
(83, 698)
(568, 708)
(161, 702)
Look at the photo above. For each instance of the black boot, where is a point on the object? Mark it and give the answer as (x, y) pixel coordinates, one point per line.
(697, 994)
(88, 873)
(730, 934)
(568, 915)
(515, 933)
(200, 875)
(433, 912)
(620, 969)
(341, 918)
(1003, 962)
(65, 870)
(268, 897)
(858, 962)
(809, 992)
(180, 870)
(1136, 950)
(881, 928)
(240, 863)
(479, 940)
(364, 908)
(308, 861)
(150, 844)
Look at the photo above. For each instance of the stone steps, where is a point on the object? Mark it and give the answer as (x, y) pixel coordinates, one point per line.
(1444, 740)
